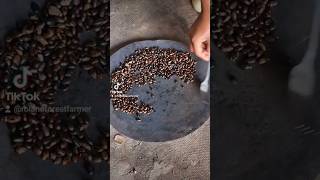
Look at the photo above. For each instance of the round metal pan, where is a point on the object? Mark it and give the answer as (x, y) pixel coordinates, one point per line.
(179, 108)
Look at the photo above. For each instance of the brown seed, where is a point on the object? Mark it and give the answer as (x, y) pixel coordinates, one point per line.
(39, 44)
(13, 119)
(119, 139)
(54, 11)
(18, 140)
(41, 40)
(21, 150)
(65, 2)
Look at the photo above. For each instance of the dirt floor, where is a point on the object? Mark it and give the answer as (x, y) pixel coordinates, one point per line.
(184, 158)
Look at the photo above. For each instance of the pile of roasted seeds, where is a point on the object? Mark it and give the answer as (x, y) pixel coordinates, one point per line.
(243, 30)
(141, 68)
(48, 44)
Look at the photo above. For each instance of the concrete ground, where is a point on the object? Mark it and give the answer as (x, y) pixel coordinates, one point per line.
(184, 158)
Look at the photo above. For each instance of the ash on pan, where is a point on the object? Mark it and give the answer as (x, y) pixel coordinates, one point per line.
(243, 30)
(141, 68)
(48, 44)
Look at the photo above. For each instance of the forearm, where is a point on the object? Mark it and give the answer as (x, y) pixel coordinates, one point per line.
(200, 32)
(205, 5)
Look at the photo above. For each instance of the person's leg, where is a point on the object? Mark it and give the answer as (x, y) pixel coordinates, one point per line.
(196, 5)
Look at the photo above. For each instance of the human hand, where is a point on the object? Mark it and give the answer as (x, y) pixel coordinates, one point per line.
(200, 33)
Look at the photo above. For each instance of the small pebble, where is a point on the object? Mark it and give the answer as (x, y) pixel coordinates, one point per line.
(119, 139)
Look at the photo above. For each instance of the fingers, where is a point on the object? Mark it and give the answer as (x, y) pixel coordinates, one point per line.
(201, 49)
(208, 51)
(191, 47)
(198, 49)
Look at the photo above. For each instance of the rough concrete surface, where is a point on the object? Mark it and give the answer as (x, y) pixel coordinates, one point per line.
(184, 158)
